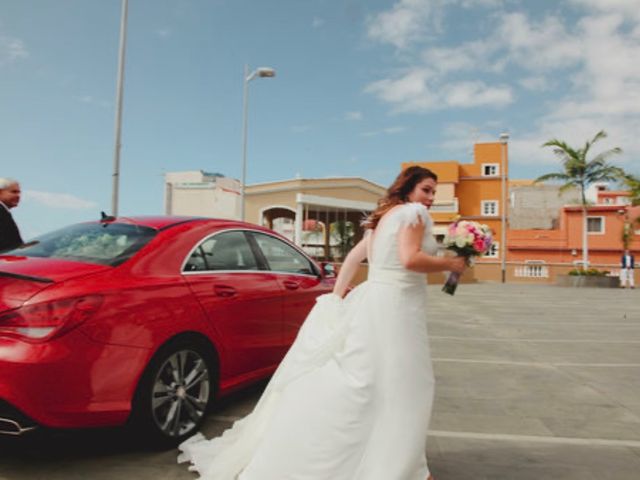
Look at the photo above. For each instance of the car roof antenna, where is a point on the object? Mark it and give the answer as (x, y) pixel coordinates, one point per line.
(104, 218)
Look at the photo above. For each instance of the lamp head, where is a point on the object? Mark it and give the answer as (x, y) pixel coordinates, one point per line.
(504, 138)
(265, 72)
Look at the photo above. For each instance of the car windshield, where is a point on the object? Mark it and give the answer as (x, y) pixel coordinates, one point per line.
(101, 243)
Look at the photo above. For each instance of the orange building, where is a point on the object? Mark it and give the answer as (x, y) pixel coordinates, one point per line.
(474, 192)
(471, 191)
(543, 254)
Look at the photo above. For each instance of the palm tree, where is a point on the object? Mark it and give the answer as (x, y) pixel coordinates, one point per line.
(580, 173)
(633, 182)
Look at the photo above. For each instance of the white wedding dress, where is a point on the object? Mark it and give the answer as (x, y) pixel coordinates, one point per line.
(352, 398)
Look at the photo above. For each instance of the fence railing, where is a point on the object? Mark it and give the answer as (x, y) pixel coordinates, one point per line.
(532, 271)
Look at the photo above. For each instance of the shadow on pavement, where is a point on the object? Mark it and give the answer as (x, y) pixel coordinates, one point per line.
(95, 442)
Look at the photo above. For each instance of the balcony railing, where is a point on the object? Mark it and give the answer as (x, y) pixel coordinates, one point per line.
(445, 206)
(532, 271)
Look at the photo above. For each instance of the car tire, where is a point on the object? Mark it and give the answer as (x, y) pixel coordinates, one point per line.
(174, 393)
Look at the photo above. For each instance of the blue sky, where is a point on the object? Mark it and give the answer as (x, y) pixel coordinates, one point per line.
(361, 86)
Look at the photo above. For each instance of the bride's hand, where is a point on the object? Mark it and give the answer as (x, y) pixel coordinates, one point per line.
(457, 264)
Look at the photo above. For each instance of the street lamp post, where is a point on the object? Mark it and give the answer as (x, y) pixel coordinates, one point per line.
(262, 72)
(118, 127)
(504, 140)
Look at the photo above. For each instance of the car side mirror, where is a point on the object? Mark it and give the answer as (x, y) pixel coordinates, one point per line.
(328, 270)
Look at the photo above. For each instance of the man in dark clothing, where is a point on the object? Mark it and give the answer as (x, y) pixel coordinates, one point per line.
(9, 198)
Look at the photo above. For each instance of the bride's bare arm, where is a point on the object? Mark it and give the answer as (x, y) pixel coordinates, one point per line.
(350, 267)
(413, 258)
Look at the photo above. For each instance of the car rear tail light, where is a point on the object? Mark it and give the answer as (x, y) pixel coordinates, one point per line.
(45, 320)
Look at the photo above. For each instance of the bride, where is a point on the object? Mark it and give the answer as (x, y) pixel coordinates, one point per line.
(352, 398)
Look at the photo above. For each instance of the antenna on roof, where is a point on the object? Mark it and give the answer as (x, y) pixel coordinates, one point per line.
(104, 218)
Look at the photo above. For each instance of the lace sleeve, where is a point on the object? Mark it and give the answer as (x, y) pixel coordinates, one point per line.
(414, 213)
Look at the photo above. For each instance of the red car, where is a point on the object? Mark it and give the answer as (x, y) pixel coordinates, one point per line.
(145, 319)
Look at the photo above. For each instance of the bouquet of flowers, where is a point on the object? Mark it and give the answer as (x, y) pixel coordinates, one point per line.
(467, 239)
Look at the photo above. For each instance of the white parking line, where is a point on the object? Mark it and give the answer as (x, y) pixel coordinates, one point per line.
(599, 442)
(530, 340)
(537, 364)
(486, 322)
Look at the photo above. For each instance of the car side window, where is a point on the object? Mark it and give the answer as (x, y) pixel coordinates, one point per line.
(282, 257)
(196, 261)
(225, 251)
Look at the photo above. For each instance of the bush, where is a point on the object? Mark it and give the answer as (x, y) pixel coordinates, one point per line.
(590, 272)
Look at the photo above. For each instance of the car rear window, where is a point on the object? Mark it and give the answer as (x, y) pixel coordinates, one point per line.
(101, 243)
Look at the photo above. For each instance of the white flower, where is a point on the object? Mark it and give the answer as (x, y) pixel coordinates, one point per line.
(461, 242)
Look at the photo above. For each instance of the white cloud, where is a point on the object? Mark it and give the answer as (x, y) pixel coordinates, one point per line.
(409, 21)
(460, 136)
(407, 93)
(317, 22)
(353, 116)
(481, 3)
(582, 71)
(163, 32)
(629, 8)
(475, 94)
(406, 22)
(300, 128)
(526, 149)
(11, 49)
(421, 91)
(451, 59)
(63, 201)
(538, 46)
(605, 93)
(385, 131)
(535, 83)
(610, 80)
(517, 41)
(90, 100)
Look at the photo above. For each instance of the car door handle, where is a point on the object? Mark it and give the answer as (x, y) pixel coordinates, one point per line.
(224, 290)
(291, 285)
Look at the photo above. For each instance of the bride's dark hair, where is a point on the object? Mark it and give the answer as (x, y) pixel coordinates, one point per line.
(399, 192)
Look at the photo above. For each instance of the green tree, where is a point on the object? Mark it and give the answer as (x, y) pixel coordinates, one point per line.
(344, 233)
(578, 171)
(633, 183)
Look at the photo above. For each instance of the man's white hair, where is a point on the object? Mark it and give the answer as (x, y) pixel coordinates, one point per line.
(7, 182)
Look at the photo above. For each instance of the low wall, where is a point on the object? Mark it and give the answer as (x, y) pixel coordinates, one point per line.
(432, 278)
(587, 281)
(492, 272)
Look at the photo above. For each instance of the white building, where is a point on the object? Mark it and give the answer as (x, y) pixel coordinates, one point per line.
(202, 194)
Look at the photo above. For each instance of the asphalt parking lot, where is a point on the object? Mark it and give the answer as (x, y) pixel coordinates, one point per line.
(532, 382)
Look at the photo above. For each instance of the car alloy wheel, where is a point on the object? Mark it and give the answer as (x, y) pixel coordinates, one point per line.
(174, 392)
(180, 393)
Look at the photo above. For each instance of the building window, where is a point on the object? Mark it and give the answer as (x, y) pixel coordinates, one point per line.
(490, 169)
(489, 208)
(494, 251)
(595, 225)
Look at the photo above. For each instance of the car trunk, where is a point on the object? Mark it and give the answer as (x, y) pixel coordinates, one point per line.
(22, 277)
